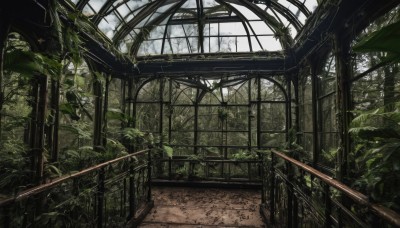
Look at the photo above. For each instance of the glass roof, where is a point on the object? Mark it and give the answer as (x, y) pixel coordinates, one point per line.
(149, 27)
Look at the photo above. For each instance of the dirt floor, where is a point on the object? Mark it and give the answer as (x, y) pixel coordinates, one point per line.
(204, 207)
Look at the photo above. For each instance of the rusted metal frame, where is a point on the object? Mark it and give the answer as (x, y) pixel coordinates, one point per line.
(300, 194)
(170, 110)
(382, 212)
(98, 114)
(186, 37)
(167, 24)
(290, 194)
(249, 115)
(196, 122)
(288, 106)
(100, 197)
(218, 146)
(272, 180)
(41, 122)
(103, 10)
(33, 124)
(258, 79)
(156, 21)
(328, 205)
(105, 110)
(131, 112)
(132, 190)
(126, 28)
(288, 14)
(342, 209)
(232, 131)
(343, 103)
(266, 17)
(243, 20)
(55, 110)
(133, 96)
(216, 105)
(149, 176)
(161, 107)
(81, 4)
(41, 188)
(314, 94)
(211, 161)
(301, 7)
(207, 20)
(228, 56)
(222, 161)
(123, 100)
(297, 107)
(108, 8)
(200, 24)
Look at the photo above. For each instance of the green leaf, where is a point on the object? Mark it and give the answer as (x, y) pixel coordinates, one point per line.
(373, 132)
(115, 114)
(26, 62)
(168, 150)
(70, 110)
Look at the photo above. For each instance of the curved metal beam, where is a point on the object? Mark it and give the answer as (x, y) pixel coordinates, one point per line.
(135, 46)
(243, 18)
(301, 7)
(166, 26)
(81, 4)
(280, 31)
(126, 28)
(277, 6)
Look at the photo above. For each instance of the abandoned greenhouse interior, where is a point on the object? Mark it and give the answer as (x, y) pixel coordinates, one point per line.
(286, 112)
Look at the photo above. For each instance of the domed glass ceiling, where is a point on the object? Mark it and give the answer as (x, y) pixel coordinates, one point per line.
(156, 27)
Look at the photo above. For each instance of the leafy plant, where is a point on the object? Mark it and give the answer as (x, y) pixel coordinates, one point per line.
(14, 163)
(376, 136)
(243, 155)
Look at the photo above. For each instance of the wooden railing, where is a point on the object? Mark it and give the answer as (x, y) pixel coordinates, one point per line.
(297, 195)
(113, 193)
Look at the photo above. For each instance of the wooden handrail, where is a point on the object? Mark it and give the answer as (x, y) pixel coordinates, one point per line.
(38, 189)
(381, 211)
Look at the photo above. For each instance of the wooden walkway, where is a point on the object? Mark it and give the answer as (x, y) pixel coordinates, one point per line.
(204, 207)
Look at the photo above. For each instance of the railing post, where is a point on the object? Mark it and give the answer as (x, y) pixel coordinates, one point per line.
(149, 174)
(295, 211)
(100, 198)
(170, 168)
(132, 191)
(263, 179)
(272, 189)
(289, 192)
(328, 206)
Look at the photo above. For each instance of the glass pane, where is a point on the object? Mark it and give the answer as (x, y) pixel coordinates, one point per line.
(243, 44)
(123, 10)
(97, 4)
(152, 47)
(233, 28)
(260, 28)
(108, 24)
(270, 43)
